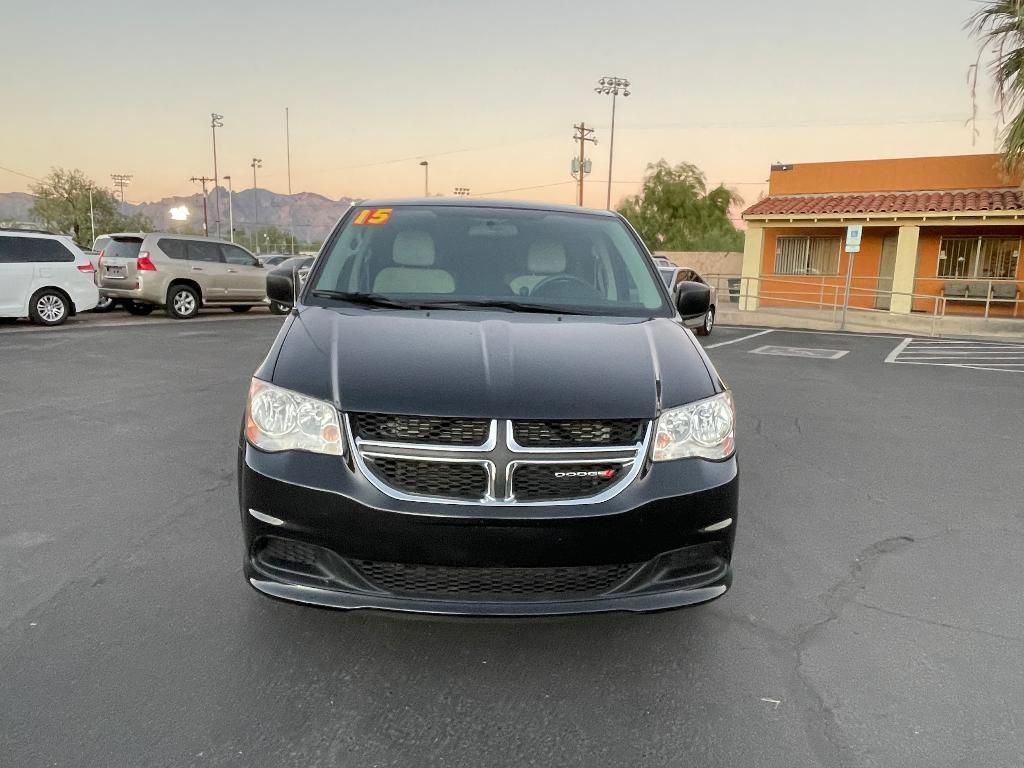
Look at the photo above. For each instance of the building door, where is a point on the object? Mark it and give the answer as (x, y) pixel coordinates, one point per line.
(886, 272)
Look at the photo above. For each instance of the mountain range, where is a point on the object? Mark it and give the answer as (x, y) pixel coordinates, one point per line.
(307, 215)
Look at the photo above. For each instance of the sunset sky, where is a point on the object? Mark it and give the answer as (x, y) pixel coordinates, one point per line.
(487, 92)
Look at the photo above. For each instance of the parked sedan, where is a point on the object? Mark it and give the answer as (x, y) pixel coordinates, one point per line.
(673, 276)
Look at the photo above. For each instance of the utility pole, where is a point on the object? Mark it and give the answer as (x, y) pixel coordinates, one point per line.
(206, 216)
(215, 123)
(583, 135)
(92, 217)
(231, 209)
(256, 163)
(288, 148)
(121, 180)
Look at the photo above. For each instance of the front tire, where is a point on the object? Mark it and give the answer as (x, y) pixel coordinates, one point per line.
(709, 323)
(277, 308)
(182, 302)
(49, 307)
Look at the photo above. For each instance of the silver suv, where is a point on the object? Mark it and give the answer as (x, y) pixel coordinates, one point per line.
(179, 272)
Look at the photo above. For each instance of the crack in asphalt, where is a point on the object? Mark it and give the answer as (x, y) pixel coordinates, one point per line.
(835, 601)
(943, 624)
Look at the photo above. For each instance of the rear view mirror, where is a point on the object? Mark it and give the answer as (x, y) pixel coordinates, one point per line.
(692, 299)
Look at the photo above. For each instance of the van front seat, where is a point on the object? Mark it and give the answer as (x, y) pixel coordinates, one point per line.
(413, 255)
(545, 258)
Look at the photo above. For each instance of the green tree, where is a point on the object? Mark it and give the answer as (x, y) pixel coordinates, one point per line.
(1000, 26)
(62, 204)
(675, 211)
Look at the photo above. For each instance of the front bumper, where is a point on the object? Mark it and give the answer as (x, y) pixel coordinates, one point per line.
(663, 542)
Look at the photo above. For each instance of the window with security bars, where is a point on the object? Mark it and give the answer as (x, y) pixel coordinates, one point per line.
(807, 255)
(994, 258)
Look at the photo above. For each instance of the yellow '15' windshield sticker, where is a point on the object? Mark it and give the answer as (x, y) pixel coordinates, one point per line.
(373, 216)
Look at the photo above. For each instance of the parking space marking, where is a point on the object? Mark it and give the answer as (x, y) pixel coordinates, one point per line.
(951, 353)
(736, 341)
(808, 352)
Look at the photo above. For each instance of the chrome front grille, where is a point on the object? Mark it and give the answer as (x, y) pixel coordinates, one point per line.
(485, 461)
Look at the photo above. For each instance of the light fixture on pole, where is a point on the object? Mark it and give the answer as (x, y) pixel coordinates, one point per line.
(231, 210)
(121, 180)
(426, 178)
(612, 86)
(462, 191)
(216, 121)
(256, 163)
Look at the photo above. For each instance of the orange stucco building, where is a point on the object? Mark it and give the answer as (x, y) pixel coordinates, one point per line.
(940, 235)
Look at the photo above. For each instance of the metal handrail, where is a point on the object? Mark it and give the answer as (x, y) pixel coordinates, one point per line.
(833, 295)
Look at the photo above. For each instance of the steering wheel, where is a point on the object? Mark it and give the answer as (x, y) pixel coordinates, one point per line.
(543, 288)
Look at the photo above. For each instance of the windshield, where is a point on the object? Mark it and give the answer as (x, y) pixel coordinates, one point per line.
(421, 255)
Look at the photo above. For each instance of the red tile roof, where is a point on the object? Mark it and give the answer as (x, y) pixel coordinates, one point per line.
(960, 201)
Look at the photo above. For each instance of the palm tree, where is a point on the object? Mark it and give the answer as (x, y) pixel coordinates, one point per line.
(1000, 25)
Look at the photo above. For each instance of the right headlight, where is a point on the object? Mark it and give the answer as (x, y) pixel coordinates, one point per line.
(705, 429)
(277, 419)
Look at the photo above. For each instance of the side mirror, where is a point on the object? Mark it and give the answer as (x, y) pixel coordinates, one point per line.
(281, 287)
(692, 299)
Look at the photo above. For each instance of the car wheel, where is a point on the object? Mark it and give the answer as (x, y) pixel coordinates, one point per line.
(138, 309)
(105, 304)
(243, 308)
(709, 323)
(279, 309)
(48, 307)
(182, 302)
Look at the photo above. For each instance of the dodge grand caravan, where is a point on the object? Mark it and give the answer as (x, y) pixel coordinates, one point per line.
(487, 408)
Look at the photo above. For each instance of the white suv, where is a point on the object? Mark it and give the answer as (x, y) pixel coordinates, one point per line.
(44, 277)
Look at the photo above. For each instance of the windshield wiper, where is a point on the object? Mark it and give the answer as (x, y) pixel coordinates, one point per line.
(367, 299)
(509, 304)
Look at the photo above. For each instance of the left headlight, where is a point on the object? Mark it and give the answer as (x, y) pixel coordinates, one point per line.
(705, 429)
(278, 419)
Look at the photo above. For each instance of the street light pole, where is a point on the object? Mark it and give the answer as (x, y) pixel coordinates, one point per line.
(231, 210)
(215, 123)
(612, 86)
(426, 178)
(256, 163)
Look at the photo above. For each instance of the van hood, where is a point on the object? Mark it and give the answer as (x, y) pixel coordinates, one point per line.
(490, 364)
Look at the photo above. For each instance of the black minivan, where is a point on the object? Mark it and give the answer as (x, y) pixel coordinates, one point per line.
(487, 408)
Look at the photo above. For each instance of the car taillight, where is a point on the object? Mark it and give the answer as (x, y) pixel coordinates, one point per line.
(99, 259)
(143, 264)
(86, 267)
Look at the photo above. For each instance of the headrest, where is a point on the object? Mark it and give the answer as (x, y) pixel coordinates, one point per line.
(546, 257)
(413, 248)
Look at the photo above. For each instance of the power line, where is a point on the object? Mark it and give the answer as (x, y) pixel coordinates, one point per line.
(19, 173)
(523, 189)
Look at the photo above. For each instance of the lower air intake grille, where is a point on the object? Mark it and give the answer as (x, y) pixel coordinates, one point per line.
(577, 434)
(432, 478)
(494, 583)
(551, 482)
(430, 430)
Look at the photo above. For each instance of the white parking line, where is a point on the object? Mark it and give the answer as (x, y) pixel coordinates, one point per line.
(975, 355)
(737, 341)
(899, 348)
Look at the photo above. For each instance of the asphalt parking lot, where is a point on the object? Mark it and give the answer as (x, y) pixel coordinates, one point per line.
(875, 619)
